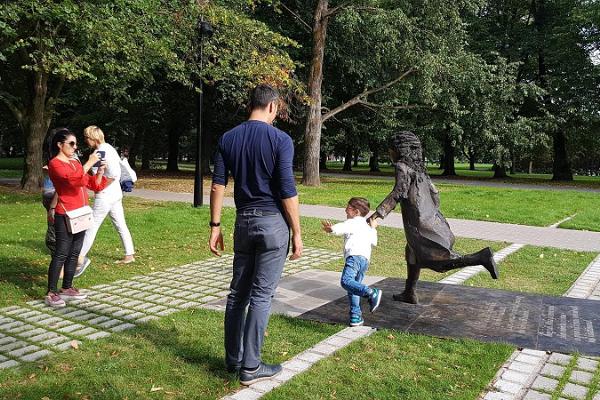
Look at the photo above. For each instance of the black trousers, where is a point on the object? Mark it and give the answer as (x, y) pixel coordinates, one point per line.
(66, 253)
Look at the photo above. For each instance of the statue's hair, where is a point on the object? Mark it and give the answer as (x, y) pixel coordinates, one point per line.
(407, 147)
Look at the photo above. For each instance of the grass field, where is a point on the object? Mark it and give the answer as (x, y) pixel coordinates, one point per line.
(165, 235)
(180, 356)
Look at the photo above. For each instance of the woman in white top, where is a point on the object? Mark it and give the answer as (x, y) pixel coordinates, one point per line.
(107, 202)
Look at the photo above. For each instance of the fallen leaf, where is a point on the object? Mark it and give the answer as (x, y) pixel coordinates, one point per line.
(31, 376)
(74, 344)
(156, 388)
(391, 337)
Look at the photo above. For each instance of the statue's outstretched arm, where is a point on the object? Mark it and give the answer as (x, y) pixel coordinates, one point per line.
(400, 191)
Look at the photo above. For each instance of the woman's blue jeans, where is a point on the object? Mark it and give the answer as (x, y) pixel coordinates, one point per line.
(352, 277)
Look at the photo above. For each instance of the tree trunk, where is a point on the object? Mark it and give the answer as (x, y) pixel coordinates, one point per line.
(312, 135)
(356, 155)
(173, 156)
(472, 159)
(374, 160)
(146, 153)
(348, 159)
(561, 166)
(323, 161)
(34, 121)
(449, 169)
(499, 171)
(135, 148)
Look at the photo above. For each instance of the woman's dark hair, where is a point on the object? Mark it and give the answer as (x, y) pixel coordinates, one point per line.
(56, 136)
(261, 96)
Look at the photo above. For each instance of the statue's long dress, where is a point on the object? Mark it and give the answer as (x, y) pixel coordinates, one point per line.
(428, 234)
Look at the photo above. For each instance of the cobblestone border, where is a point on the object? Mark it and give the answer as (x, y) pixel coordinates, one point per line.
(535, 375)
(303, 362)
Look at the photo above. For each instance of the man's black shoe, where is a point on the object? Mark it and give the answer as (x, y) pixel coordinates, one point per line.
(264, 371)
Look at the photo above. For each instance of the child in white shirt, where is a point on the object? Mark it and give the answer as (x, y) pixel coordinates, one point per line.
(358, 239)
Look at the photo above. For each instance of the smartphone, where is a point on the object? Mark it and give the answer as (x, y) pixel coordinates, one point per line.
(102, 155)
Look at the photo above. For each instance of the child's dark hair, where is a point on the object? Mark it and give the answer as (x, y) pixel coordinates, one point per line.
(58, 136)
(361, 204)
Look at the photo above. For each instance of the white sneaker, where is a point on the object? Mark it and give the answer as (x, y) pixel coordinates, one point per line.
(81, 269)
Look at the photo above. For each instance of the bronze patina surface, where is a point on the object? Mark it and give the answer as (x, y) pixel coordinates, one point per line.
(428, 235)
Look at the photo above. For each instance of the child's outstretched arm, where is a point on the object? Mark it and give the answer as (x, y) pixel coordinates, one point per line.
(326, 225)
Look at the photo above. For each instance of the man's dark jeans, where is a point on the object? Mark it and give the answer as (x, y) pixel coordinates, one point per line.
(261, 242)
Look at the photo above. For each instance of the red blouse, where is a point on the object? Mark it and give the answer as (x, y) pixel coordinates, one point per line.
(71, 183)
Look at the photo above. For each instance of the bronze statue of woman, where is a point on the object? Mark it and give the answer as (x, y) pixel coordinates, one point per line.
(428, 235)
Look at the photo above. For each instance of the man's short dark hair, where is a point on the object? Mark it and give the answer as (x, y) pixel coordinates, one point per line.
(261, 96)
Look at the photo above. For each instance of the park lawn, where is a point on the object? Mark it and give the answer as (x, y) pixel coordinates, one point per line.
(166, 234)
(537, 270)
(182, 354)
(395, 365)
(481, 203)
(177, 357)
(518, 206)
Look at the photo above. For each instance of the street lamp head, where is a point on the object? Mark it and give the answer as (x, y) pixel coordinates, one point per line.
(205, 29)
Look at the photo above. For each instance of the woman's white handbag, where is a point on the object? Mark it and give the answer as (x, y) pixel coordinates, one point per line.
(80, 219)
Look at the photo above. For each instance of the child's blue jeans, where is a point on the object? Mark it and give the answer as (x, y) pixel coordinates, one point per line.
(352, 277)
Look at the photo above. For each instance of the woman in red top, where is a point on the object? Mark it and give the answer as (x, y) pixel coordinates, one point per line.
(71, 182)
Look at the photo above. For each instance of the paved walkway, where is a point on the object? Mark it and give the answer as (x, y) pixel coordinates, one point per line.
(511, 233)
(33, 330)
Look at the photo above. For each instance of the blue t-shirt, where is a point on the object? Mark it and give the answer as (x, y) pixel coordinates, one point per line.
(260, 158)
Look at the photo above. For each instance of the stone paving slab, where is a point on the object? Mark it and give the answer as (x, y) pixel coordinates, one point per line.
(302, 362)
(34, 330)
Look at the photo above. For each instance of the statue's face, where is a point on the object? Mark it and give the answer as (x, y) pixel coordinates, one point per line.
(416, 154)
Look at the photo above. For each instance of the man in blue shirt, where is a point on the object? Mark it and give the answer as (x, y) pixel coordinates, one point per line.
(259, 158)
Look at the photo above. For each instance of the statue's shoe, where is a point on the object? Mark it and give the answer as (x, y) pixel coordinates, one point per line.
(406, 297)
(489, 263)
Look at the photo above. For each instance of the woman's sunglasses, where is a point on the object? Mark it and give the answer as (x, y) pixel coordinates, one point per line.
(72, 143)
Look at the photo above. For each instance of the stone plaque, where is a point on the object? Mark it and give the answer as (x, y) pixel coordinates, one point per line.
(525, 320)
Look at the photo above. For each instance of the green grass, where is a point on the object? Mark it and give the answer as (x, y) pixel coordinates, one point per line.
(519, 206)
(165, 234)
(537, 270)
(15, 164)
(394, 365)
(180, 357)
(481, 172)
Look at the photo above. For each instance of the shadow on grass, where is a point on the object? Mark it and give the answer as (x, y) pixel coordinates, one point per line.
(24, 274)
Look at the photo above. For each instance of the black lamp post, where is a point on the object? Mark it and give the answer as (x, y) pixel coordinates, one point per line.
(204, 30)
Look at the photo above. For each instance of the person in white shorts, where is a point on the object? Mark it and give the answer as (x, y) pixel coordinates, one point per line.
(107, 202)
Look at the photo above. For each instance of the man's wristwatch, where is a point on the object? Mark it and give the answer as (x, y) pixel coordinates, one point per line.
(214, 224)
